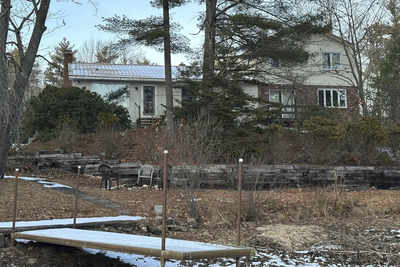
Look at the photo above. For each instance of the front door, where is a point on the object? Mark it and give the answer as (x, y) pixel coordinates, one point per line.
(148, 100)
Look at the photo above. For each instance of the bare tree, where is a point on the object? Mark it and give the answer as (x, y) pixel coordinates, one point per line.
(100, 51)
(11, 98)
(351, 21)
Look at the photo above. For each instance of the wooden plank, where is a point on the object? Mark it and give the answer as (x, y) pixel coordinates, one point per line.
(63, 223)
(145, 245)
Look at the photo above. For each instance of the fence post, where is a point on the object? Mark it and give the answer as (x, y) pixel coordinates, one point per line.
(239, 207)
(164, 210)
(76, 196)
(15, 201)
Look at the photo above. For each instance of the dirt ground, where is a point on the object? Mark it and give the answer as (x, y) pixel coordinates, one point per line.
(361, 224)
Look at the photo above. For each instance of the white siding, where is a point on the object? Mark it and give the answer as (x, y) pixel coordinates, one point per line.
(312, 72)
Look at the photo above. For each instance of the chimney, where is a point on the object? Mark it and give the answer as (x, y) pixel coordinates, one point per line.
(68, 57)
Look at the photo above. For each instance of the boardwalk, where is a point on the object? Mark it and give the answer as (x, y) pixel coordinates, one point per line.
(136, 244)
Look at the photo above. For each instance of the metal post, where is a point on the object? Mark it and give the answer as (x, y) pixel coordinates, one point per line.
(15, 200)
(239, 207)
(76, 196)
(164, 210)
(240, 200)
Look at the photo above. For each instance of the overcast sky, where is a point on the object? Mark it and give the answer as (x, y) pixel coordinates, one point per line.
(77, 23)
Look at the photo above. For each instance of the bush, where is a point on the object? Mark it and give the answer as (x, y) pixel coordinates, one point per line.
(56, 105)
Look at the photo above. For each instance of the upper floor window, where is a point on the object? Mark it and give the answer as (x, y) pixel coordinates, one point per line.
(333, 98)
(331, 61)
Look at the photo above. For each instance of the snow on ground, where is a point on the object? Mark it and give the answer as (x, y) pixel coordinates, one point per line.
(69, 221)
(52, 184)
(24, 178)
(261, 259)
(42, 181)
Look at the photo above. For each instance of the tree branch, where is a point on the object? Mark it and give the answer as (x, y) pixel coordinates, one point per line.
(17, 32)
(49, 62)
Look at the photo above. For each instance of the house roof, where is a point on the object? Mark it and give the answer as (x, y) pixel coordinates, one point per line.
(128, 72)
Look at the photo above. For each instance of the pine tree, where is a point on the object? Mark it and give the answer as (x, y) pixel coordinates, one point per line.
(55, 70)
(240, 36)
(156, 32)
(387, 79)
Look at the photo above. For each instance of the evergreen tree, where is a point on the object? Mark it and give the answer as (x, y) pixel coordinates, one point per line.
(155, 32)
(55, 70)
(387, 79)
(55, 106)
(240, 36)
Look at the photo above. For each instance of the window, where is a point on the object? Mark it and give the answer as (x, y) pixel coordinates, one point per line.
(105, 89)
(332, 98)
(281, 96)
(331, 61)
(148, 100)
(284, 97)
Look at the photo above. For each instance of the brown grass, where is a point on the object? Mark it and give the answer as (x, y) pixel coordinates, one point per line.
(217, 209)
(38, 203)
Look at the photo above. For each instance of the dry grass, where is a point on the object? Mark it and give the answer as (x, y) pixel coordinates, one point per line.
(38, 203)
(217, 209)
(270, 206)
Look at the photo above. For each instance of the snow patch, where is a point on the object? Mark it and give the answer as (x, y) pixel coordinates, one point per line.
(69, 221)
(42, 181)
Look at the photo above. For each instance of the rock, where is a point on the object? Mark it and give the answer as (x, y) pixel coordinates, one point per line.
(171, 220)
(176, 228)
(31, 261)
(155, 230)
(192, 223)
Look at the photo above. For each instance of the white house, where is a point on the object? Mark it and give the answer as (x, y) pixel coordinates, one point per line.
(146, 97)
(325, 80)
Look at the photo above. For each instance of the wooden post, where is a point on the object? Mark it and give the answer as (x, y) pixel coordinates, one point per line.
(15, 200)
(76, 196)
(164, 210)
(239, 207)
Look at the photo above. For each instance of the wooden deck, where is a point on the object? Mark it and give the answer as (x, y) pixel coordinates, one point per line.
(135, 244)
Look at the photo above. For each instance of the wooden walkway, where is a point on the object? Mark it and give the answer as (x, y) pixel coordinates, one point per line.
(135, 244)
(68, 222)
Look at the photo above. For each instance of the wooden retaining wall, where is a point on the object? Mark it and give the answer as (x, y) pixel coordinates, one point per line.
(272, 176)
(225, 175)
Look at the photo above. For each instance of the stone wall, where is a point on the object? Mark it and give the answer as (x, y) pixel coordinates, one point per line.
(272, 176)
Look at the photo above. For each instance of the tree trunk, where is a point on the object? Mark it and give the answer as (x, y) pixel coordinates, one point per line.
(363, 100)
(4, 101)
(209, 49)
(11, 100)
(168, 74)
(4, 147)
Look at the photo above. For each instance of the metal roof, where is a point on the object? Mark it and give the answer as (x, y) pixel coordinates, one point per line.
(95, 71)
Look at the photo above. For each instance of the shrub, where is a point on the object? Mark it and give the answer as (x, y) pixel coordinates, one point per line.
(81, 106)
